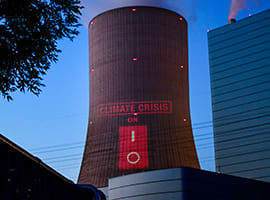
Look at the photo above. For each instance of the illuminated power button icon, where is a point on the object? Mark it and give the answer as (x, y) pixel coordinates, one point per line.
(133, 152)
(132, 136)
(133, 157)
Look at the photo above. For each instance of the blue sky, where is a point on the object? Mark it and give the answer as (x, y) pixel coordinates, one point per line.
(59, 116)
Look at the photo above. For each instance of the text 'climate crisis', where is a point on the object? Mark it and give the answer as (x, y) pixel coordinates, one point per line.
(142, 107)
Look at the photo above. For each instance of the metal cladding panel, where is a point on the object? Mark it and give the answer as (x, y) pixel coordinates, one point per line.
(139, 100)
(239, 56)
(185, 184)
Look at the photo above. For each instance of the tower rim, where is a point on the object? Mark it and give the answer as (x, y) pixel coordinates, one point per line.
(137, 6)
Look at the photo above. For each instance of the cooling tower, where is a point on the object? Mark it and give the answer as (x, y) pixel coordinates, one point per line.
(139, 96)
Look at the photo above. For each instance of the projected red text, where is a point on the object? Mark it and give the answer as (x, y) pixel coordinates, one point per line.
(142, 107)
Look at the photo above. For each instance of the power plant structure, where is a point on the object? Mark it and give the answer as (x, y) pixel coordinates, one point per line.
(139, 142)
(239, 55)
(139, 117)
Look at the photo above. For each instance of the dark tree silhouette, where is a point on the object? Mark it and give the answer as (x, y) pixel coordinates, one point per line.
(29, 31)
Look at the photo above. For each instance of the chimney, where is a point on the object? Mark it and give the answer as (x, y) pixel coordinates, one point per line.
(232, 20)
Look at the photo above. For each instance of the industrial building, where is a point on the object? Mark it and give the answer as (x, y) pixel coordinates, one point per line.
(239, 55)
(139, 142)
(25, 177)
(185, 184)
(139, 117)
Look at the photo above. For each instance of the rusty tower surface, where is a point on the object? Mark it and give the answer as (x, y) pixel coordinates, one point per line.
(139, 95)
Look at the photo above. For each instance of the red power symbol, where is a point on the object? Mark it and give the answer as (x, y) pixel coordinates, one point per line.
(133, 152)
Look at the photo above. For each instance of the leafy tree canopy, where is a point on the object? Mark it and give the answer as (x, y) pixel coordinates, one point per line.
(29, 31)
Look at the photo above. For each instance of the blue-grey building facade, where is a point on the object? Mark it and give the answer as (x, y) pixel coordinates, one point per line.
(239, 55)
(185, 184)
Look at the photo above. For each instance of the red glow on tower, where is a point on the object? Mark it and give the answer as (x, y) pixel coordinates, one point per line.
(132, 102)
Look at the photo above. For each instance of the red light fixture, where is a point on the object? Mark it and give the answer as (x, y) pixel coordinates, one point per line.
(185, 119)
(92, 70)
(135, 114)
(181, 19)
(249, 14)
(133, 9)
(134, 59)
(182, 66)
(92, 22)
(91, 122)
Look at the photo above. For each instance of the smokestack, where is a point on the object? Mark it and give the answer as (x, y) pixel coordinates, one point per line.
(236, 6)
(139, 95)
(232, 20)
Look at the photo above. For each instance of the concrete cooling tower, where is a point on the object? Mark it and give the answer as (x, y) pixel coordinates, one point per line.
(139, 116)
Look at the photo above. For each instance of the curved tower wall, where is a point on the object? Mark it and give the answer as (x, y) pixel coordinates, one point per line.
(139, 96)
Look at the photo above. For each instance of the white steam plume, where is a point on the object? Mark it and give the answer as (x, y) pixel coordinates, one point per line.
(94, 7)
(237, 5)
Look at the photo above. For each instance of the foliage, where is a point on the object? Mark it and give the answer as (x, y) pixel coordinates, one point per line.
(29, 31)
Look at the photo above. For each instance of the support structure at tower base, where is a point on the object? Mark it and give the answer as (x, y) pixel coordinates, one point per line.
(185, 184)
